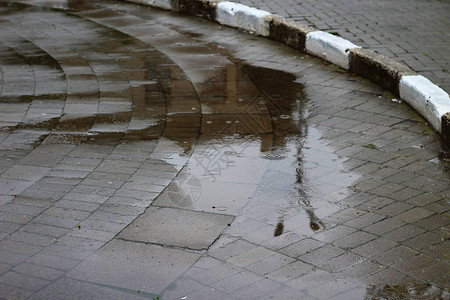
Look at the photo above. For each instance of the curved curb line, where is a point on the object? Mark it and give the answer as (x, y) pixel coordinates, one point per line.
(432, 102)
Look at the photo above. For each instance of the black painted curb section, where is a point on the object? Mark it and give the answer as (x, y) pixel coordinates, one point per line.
(445, 128)
(378, 68)
(200, 8)
(289, 33)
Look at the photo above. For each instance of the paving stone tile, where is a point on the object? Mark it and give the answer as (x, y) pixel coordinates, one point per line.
(24, 172)
(109, 266)
(384, 277)
(14, 186)
(21, 209)
(424, 240)
(289, 272)
(362, 269)
(258, 289)
(168, 226)
(236, 281)
(31, 238)
(206, 270)
(413, 215)
(12, 258)
(341, 262)
(302, 247)
(364, 220)
(374, 247)
(269, 264)
(394, 209)
(354, 240)
(384, 226)
(182, 287)
(66, 288)
(413, 264)
(333, 233)
(322, 254)
(23, 281)
(38, 271)
(251, 256)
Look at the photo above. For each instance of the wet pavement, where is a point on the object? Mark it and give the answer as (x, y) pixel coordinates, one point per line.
(146, 154)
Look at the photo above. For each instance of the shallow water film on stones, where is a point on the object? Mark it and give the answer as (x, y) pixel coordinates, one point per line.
(135, 140)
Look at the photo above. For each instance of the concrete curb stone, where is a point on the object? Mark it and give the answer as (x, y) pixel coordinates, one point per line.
(428, 99)
(378, 68)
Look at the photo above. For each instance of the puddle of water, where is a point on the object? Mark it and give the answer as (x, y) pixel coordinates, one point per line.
(406, 291)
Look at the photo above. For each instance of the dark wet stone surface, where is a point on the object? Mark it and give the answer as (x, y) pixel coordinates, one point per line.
(131, 136)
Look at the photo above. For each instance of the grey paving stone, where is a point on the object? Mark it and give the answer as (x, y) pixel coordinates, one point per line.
(124, 259)
(67, 287)
(174, 227)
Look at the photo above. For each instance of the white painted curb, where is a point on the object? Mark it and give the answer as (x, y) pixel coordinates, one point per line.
(164, 4)
(330, 47)
(244, 17)
(428, 99)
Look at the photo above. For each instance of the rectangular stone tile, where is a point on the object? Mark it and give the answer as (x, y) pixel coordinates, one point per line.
(31, 238)
(270, 264)
(38, 271)
(23, 281)
(322, 254)
(14, 186)
(86, 197)
(414, 264)
(251, 256)
(424, 240)
(404, 233)
(362, 269)
(206, 270)
(225, 250)
(92, 224)
(12, 258)
(301, 247)
(51, 231)
(354, 240)
(55, 262)
(109, 217)
(364, 220)
(67, 213)
(76, 205)
(394, 255)
(374, 247)
(235, 281)
(24, 172)
(132, 266)
(414, 215)
(384, 226)
(21, 209)
(69, 252)
(174, 227)
(334, 233)
(341, 262)
(259, 289)
(66, 288)
(289, 272)
(385, 277)
(63, 222)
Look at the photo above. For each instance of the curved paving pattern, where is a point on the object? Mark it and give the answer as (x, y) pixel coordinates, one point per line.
(411, 32)
(147, 155)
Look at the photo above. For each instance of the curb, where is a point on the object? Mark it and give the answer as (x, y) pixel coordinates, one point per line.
(432, 102)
